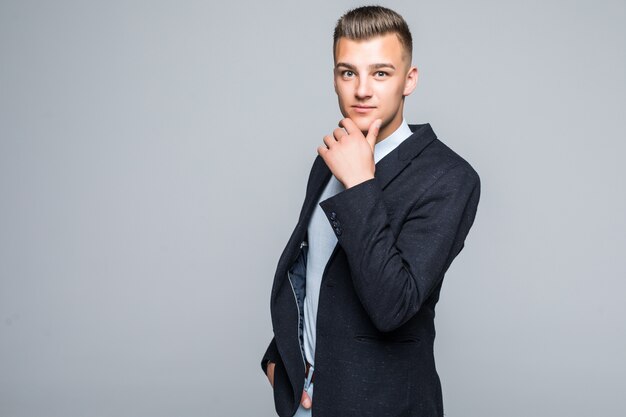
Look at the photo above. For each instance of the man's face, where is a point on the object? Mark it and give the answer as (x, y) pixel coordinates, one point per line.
(371, 78)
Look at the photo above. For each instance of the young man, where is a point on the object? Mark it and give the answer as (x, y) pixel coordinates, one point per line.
(387, 209)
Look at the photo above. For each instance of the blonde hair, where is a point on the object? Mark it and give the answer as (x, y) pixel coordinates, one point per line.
(366, 22)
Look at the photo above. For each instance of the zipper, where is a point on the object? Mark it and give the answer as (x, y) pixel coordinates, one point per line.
(295, 297)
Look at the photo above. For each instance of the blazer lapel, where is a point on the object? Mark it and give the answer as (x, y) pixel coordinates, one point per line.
(386, 169)
(321, 175)
(395, 161)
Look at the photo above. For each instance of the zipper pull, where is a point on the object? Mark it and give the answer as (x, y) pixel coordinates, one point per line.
(304, 243)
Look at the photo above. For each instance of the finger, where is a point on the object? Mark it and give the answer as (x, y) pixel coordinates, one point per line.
(321, 150)
(305, 400)
(329, 141)
(372, 133)
(349, 125)
(339, 133)
(270, 372)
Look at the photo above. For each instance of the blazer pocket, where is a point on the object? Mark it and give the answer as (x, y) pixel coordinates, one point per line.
(405, 340)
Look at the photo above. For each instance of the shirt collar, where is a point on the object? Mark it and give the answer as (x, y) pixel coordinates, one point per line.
(388, 144)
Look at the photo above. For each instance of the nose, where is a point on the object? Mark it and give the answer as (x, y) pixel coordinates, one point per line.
(363, 89)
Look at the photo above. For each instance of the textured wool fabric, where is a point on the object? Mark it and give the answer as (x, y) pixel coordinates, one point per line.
(397, 236)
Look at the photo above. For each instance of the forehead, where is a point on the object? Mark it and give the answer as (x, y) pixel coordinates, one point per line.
(386, 47)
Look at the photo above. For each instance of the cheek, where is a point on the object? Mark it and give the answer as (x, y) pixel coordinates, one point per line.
(342, 93)
(391, 95)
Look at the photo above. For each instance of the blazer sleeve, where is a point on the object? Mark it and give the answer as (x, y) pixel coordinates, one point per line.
(394, 275)
(271, 355)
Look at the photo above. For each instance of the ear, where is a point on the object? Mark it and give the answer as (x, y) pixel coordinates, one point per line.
(334, 81)
(411, 81)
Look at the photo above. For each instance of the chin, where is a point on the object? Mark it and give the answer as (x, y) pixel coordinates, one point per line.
(362, 122)
(363, 125)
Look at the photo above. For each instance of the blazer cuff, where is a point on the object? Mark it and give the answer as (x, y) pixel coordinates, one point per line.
(350, 210)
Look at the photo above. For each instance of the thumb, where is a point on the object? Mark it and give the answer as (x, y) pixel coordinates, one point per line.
(372, 133)
(306, 400)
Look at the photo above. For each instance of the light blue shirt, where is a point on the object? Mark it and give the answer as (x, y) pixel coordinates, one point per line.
(322, 241)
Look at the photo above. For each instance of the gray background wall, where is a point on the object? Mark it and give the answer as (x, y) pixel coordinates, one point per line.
(153, 157)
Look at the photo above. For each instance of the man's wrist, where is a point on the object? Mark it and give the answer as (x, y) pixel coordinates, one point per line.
(356, 181)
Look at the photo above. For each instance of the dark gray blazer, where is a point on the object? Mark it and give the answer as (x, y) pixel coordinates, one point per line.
(397, 235)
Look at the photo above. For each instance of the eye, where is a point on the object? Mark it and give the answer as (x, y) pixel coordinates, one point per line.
(347, 73)
(381, 73)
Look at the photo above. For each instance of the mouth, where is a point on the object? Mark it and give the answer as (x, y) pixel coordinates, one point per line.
(363, 109)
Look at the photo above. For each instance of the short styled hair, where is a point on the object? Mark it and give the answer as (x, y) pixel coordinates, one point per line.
(366, 22)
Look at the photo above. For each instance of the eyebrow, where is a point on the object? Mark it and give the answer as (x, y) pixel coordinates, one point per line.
(373, 66)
